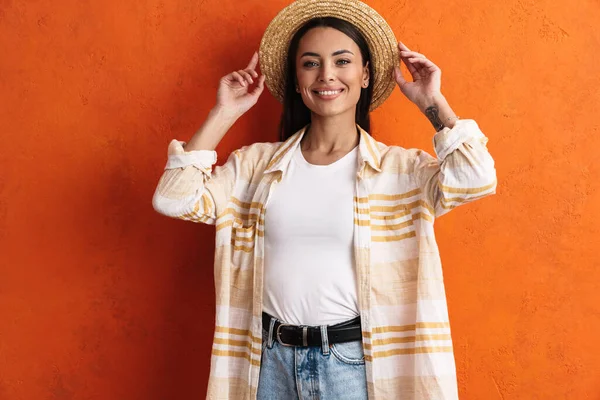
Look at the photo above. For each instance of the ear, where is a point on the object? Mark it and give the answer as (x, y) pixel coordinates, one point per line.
(366, 72)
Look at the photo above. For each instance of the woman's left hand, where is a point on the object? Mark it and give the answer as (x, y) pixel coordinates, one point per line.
(427, 78)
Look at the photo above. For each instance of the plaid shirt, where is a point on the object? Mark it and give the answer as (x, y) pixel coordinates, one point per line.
(399, 193)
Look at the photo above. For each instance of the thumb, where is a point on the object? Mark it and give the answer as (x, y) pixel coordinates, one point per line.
(397, 74)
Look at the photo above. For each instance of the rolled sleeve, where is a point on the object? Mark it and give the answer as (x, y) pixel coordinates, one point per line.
(179, 158)
(463, 170)
(449, 139)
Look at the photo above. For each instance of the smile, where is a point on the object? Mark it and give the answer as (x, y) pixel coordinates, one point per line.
(328, 94)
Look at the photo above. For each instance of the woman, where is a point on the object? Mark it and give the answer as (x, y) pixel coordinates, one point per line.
(328, 277)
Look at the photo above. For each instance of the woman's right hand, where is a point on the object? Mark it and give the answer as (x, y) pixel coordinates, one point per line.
(233, 96)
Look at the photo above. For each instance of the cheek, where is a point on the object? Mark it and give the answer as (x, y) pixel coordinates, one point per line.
(355, 83)
(353, 77)
(306, 76)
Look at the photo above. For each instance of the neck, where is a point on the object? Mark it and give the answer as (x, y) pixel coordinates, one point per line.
(329, 135)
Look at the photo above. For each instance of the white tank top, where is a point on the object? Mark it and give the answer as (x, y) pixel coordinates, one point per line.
(309, 275)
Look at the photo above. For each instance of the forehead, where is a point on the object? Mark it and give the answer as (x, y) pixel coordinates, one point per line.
(325, 40)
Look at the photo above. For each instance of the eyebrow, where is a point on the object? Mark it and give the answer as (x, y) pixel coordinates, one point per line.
(335, 53)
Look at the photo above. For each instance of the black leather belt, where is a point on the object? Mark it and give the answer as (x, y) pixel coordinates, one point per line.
(296, 335)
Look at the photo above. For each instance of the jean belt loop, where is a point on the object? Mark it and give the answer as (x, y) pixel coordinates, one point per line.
(271, 326)
(324, 340)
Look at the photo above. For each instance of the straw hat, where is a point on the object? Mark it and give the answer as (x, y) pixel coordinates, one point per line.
(378, 34)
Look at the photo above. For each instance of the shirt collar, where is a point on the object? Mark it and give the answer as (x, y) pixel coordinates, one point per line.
(368, 152)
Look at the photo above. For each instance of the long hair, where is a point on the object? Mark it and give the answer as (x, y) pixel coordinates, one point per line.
(296, 114)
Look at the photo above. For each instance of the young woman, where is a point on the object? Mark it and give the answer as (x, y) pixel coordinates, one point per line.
(328, 277)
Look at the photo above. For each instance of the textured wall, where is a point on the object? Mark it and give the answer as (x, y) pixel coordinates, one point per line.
(102, 298)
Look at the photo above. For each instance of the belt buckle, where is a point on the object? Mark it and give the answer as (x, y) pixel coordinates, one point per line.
(278, 335)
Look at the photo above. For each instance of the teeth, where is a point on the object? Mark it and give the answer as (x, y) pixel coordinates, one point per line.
(329, 92)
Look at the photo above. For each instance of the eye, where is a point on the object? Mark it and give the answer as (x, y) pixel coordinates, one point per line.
(309, 63)
(344, 61)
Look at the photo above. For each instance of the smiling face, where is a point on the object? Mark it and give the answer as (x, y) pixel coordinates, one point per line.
(330, 72)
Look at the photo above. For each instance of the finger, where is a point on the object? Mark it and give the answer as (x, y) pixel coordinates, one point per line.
(253, 61)
(411, 68)
(259, 87)
(406, 53)
(252, 72)
(409, 65)
(417, 64)
(427, 70)
(429, 65)
(425, 64)
(402, 46)
(246, 76)
(239, 78)
(418, 75)
(230, 78)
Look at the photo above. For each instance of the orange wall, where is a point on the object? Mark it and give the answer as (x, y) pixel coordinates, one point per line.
(102, 298)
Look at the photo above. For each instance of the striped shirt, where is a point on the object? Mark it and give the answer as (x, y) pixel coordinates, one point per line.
(402, 302)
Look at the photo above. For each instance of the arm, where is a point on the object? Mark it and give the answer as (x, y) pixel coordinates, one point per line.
(463, 170)
(189, 188)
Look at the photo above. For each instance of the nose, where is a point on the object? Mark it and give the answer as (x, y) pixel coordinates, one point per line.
(326, 73)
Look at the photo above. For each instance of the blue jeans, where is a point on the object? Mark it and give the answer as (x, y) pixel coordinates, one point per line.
(326, 372)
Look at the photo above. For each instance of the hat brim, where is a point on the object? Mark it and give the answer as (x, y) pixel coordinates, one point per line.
(376, 31)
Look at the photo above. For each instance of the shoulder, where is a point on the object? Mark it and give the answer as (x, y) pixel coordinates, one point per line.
(257, 151)
(399, 159)
(254, 157)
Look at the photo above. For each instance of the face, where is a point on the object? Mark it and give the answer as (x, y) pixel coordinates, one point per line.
(329, 72)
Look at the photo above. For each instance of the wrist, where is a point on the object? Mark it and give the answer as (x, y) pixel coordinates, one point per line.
(223, 114)
(434, 99)
(216, 125)
(438, 111)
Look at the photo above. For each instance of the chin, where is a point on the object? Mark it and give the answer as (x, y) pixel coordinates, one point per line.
(331, 110)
